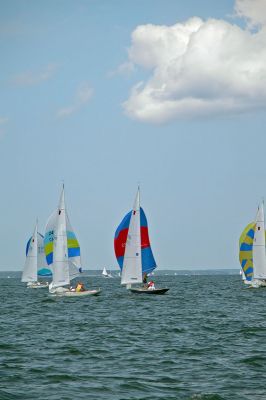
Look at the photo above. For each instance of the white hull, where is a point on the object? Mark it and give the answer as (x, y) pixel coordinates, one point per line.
(256, 283)
(70, 293)
(38, 285)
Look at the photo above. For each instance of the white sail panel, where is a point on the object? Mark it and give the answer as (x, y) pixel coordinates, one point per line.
(30, 268)
(132, 267)
(60, 252)
(259, 258)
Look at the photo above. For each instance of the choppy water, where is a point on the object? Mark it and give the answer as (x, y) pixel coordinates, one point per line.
(204, 340)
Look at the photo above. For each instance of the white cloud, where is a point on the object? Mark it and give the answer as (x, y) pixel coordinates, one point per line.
(124, 69)
(81, 98)
(31, 78)
(254, 11)
(198, 68)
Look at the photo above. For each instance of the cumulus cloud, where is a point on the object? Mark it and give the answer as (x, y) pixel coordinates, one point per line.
(254, 11)
(199, 67)
(81, 98)
(31, 78)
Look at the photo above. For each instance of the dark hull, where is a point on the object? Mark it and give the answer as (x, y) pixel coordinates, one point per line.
(146, 291)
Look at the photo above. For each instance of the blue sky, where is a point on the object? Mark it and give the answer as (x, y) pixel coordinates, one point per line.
(107, 94)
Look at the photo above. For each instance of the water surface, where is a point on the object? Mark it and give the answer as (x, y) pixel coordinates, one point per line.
(204, 340)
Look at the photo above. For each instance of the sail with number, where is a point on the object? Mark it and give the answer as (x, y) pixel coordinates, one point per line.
(61, 246)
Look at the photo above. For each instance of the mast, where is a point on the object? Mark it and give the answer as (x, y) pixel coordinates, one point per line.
(259, 258)
(60, 253)
(132, 265)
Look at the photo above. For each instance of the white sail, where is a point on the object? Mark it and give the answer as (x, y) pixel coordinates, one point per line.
(30, 268)
(60, 254)
(132, 266)
(259, 258)
(105, 273)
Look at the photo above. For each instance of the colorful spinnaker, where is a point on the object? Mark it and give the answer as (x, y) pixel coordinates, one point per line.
(132, 246)
(72, 242)
(245, 250)
(59, 236)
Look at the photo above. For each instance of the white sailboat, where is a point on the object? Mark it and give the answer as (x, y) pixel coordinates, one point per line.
(259, 256)
(34, 260)
(133, 251)
(105, 274)
(65, 268)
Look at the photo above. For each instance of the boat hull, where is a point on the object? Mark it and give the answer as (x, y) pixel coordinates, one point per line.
(146, 291)
(69, 293)
(256, 284)
(40, 286)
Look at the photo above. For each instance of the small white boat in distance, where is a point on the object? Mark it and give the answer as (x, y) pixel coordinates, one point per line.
(105, 274)
(63, 251)
(34, 261)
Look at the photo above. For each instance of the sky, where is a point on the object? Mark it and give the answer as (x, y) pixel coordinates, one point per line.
(108, 94)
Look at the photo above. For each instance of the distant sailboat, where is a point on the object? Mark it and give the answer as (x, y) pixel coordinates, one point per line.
(63, 252)
(105, 274)
(35, 263)
(133, 251)
(252, 251)
(246, 253)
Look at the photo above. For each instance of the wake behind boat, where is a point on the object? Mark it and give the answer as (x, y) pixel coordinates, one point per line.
(133, 251)
(63, 254)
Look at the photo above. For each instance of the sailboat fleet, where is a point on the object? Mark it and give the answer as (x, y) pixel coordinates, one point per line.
(56, 255)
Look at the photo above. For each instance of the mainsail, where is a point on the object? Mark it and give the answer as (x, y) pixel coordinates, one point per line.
(30, 268)
(259, 257)
(132, 245)
(61, 246)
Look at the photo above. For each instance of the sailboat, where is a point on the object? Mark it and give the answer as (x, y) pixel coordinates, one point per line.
(246, 253)
(35, 264)
(105, 274)
(252, 251)
(63, 252)
(133, 250)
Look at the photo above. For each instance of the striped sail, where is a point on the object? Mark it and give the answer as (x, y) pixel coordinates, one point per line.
(148, 263)
(69, 241)
(72, 242)
(246, 250)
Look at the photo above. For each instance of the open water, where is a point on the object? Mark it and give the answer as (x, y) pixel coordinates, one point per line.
(204, 340)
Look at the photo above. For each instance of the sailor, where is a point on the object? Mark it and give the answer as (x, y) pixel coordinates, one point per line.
(145, 279)
(80, 287)
(151, 285)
